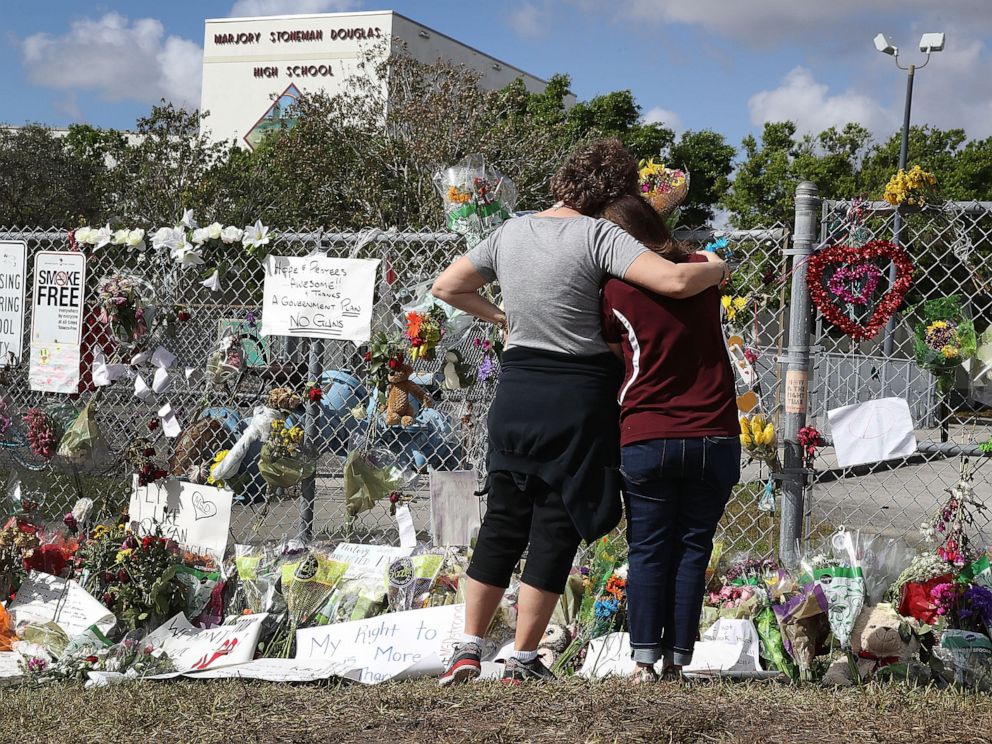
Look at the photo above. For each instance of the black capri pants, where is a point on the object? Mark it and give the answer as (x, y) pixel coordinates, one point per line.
(523, 510)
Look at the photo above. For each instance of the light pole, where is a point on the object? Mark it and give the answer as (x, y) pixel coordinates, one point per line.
(929, 43)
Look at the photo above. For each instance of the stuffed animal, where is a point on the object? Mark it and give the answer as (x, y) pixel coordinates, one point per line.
(398, 408)
(881, 637)
(457, 374)
(555, 641)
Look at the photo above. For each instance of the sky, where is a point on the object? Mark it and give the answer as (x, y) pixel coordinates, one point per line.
(726, 65)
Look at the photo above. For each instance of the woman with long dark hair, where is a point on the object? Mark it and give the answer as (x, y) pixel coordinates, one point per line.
(553, 479)
(681, 450)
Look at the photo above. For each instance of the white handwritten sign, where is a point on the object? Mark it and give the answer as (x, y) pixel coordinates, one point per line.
(197, 517)
(383, 647)
(195, 649)
(367, 560)
(57, 321)
(278, 670)
(44, 598)
(13, 273)
(318, 297)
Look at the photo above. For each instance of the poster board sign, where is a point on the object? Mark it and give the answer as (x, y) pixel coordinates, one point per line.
(872, 431)
(44, 598)
(195, 649)
(318, 297)
(381, 648)
(57, 321)
(455, 509)
(367, 561)
(13, 279)
(276, 670)
(197, 517)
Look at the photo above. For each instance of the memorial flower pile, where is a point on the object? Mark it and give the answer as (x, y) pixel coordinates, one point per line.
(914, 188)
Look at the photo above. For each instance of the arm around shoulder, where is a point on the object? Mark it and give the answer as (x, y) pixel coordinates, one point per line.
(678, 280)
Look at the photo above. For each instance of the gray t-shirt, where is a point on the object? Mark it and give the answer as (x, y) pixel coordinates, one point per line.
(550, 270)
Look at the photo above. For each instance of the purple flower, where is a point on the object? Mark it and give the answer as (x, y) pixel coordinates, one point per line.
(36, 665)
(250, 319)
(486, 369)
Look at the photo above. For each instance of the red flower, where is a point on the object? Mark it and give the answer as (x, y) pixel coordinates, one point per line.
(48, 559)
(368, 356)
(152, 424)
(182, 316)
(146, 542)
(394, 497)
(315, 394)
(122, 576)
(108, 599)
(91, 660)
(70, 521)
(394, 364)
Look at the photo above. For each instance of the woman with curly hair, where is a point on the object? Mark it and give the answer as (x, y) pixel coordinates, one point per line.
(553, 477)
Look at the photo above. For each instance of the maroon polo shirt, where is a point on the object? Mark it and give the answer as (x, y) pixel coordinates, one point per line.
(678, 382)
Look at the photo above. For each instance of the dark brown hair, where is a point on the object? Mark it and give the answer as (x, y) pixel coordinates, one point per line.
(636, 216)
(594, 174)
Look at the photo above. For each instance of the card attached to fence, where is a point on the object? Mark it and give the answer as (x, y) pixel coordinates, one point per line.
(197, 517)
(13, 279)
(872, 431)
(318, 296)
(455, 509)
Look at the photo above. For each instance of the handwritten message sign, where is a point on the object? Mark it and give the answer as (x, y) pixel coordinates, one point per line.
(13, 272)
(197, 517)
(318, 297)
(43, 598)
(56, 321)
(277, 670)
(195, 649)
(367, 560)
(383, 647)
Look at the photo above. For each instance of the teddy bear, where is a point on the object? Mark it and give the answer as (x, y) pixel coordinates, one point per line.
(398, 408)
(881, 637)
(556, 639)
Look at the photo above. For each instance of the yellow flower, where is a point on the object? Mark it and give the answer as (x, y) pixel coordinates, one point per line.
(100, 531)
(950, 351)
(278, 425)
(296, 435)
(740, 303)
(220, 456)
(122, 554)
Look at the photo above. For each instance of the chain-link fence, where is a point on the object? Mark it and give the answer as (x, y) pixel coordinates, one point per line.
(951, 250)
(451, 436)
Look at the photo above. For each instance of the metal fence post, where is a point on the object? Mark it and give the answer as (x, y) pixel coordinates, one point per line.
(797, 372)
(308, 489)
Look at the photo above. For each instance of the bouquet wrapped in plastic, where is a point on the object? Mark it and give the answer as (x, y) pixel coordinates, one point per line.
(285, 460)
(838, 573)
(664, 188)
(83, 443)
(126, 305)
(759, 440)
(945, 337)
(477, 198)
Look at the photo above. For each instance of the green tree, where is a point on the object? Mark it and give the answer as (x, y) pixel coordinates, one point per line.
(45, 181)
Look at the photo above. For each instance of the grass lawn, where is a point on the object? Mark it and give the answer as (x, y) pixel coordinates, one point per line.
(569, 711)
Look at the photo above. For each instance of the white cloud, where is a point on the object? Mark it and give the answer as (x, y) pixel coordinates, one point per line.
(247, 8)
(528, 20)
(118, 58)
(800, 98)
(658, 115)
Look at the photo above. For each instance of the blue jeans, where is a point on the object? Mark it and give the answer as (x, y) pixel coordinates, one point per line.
(676, 491)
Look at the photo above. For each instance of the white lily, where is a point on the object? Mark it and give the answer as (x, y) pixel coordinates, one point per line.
(188, 219)
(231, 234)
(214, 230)
(200, 236)
(255, 235)
(186, 254)
(168, 238)
(120, 237)
(136, 239)
(103, 237)
(213, 282)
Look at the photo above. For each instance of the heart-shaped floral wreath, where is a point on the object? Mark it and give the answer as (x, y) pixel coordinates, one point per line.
(853, 264)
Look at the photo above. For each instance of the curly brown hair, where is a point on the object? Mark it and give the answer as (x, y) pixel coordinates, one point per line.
(594, 174)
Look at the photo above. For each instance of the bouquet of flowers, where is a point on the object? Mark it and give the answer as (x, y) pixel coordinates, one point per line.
(664, 188)
(83, 443)
(759, 440)
(18, 541)
(284, 460)
(915, 187)
(385, 354)
(141, 586)
(734, 308)
(43, 433)
(125, 306)
(945, 337)
(425, 330)
(476, 197)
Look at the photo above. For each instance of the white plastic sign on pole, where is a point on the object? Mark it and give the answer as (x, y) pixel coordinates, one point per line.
(197, 517)
(13, 278)
(380, 648)
(57, 321)
(318, 297)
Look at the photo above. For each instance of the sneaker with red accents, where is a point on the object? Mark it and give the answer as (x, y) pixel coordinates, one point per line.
(516, 672)
(465, 665)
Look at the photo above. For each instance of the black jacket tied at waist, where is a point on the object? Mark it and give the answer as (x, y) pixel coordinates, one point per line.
(555, 417)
